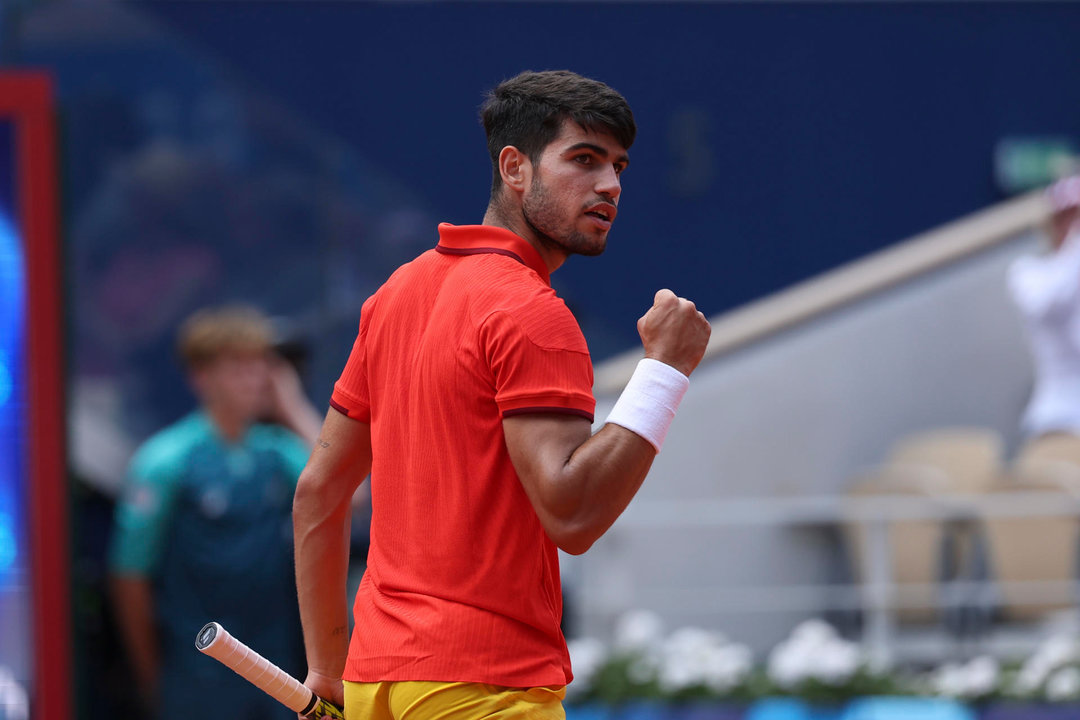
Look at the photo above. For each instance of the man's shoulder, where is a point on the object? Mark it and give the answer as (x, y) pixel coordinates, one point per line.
(538, 314)
(507, 280)
(167, 450)
(404, 272)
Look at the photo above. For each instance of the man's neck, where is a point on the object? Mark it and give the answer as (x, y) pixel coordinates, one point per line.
(509, 217)
(230, 426)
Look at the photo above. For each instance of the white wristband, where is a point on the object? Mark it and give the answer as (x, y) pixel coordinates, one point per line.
(648, 403)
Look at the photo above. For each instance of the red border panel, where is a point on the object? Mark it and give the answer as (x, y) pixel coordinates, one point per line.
(26, 98)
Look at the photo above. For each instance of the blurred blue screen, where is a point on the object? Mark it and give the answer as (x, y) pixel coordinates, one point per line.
(14, 561)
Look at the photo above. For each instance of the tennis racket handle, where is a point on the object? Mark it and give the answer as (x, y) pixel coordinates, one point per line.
(215, 641)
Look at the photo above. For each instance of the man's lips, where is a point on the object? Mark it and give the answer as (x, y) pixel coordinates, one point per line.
(602, 214)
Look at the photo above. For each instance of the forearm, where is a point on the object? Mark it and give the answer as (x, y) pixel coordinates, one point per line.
(597, 483)
(321, 532)
(321, 508)
(604, 473)
(134, 603)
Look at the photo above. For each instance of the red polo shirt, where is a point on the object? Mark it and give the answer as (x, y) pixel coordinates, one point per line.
(462, 581)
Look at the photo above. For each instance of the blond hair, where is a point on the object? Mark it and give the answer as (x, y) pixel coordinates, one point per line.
(213, 332)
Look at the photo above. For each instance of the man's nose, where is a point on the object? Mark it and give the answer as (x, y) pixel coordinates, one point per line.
(608, 184)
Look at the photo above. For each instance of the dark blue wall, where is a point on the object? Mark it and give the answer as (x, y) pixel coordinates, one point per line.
(776, 140)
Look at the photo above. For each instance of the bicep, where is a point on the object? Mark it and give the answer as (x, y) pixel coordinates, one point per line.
(341, 458)
(540, 446)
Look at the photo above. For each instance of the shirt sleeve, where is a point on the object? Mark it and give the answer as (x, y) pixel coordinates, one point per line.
(1043, 286)
(143, 514)
(350, 395)
(539, 360)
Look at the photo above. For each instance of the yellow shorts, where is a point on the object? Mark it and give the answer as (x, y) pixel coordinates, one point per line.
(450, 701)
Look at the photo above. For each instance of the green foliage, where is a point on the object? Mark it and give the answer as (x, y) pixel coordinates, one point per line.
(862, 683)
(618, 681)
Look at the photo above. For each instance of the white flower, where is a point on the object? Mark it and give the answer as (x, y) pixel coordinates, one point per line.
(787, 665)
(640, 634)
(814, 650)
(948, 681)
(690, 640)
(813, 633)
(1053, 653)
(681, 658)
(1064, 685)
(678, 675)
(587, 656)
(837, 661)
(1031, 676)
(977, 678)
(639, 631)
(693, 657)
(14, 702)
(1058, 650)
(982, 676)
(728, 666)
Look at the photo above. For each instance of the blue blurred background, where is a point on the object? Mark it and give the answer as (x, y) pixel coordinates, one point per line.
(293, 153)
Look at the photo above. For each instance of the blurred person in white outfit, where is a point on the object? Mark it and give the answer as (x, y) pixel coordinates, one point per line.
(1046, 289)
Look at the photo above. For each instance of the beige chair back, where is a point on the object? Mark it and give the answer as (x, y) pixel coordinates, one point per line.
(1037, 549)
(970, 458)
(914, 545)
(954, 460)
(1050, 454)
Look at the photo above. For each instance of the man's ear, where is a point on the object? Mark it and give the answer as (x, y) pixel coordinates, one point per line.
(515, 168)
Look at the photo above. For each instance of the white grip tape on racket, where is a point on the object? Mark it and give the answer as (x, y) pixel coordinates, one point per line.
(215, 641)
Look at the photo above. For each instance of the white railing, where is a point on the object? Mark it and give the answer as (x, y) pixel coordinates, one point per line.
(876, 594)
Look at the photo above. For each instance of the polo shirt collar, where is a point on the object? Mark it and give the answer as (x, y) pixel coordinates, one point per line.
(480, 239)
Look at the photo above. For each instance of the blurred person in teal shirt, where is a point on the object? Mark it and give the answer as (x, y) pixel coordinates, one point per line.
(203, 530)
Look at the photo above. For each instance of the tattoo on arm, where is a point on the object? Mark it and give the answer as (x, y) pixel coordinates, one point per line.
(322, 443)
(341, 630)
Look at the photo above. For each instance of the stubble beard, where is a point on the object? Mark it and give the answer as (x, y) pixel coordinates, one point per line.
(544, 218)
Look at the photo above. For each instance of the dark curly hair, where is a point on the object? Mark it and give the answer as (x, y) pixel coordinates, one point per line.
(527, 111)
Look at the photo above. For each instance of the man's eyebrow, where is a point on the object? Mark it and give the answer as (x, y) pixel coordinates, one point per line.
(599, 150)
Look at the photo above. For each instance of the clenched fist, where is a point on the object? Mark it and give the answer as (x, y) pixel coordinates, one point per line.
(674, 332)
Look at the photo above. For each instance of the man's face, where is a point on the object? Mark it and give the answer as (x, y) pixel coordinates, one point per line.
(236, 382)
(571, 201)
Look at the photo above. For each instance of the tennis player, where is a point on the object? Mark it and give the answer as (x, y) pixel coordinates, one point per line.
(468, 397)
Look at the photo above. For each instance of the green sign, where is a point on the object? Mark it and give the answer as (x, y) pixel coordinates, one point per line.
(1025, 163)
